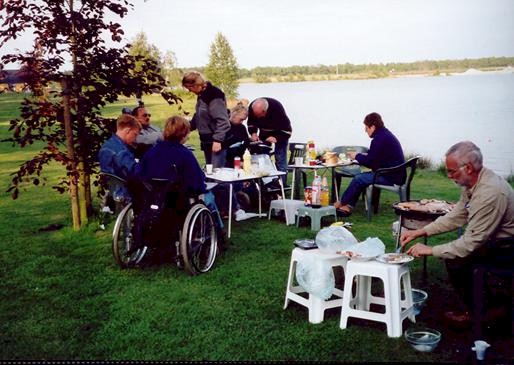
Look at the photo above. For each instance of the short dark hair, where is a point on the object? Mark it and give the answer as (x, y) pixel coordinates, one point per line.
(374, 119)
(136, 110)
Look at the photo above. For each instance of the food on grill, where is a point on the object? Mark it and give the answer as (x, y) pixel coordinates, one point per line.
(427, 205)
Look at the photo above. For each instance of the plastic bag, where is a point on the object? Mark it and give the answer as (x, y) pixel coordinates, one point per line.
(370, 247)
(334, 239)
(316, 277)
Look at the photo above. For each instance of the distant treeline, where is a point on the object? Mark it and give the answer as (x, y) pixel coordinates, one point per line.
(297, 73)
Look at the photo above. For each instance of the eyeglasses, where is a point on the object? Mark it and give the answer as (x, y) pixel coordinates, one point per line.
(453, 171)
(147, 115)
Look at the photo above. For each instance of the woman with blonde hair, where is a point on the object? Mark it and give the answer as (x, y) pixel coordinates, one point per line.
(210, 118)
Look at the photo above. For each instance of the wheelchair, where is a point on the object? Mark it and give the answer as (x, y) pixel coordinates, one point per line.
(161, 218)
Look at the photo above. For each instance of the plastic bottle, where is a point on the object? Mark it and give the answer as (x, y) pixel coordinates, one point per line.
(316, 189)
(311, 153)
(324, 197)
(247, 163)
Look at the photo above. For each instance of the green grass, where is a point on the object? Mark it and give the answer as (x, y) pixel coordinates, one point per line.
(63, 297)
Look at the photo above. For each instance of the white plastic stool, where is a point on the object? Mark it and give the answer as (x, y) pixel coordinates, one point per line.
(315, 304)
(290, 205)
(396, 308)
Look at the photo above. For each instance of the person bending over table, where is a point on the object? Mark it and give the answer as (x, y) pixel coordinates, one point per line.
(486, 207)
(159, 160)
(268, 117)
(384, 151)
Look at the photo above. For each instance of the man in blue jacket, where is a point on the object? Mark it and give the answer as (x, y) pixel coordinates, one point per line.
(116, 156)
(385, 151)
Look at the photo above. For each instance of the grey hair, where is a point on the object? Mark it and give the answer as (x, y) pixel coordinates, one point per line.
(466, 152)
(262, 101)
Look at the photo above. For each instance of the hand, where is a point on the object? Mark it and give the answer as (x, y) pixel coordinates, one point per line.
(271, 140)
(216, 147)
(254, 137)
(419, 250)
(408, 236)
(351, 155)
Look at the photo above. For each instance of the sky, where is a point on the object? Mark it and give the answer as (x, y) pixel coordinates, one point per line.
(305, 32)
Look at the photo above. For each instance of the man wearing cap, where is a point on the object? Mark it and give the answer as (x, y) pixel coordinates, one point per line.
(149, 135)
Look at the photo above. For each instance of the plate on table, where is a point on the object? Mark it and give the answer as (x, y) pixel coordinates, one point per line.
(356, 257)
(395, 258)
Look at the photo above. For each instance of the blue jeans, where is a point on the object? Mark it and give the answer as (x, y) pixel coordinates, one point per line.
(217, 159)
(358, 185)
(210, 202)
(281, 158)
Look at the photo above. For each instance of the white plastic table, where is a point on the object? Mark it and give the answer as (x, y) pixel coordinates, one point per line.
(231, 176)
(317, 167)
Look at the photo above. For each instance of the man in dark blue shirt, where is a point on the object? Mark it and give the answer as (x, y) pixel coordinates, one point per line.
(268, 117)
(385, 151)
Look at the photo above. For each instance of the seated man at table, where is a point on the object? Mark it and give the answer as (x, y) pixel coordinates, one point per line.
(159, 160)
(384, 151)
(486, 207)
(116, 155)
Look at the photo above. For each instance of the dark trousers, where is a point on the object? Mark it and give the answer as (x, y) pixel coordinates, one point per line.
(358, 184)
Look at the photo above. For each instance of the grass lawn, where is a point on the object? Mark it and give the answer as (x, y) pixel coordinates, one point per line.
(63, 297)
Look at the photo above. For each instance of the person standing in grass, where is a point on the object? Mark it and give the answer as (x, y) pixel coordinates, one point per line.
(485, 207)
(210, 118)
(385, 151)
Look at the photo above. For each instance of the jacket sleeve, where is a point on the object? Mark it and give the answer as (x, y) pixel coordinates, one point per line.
(219, 115)
(484, 217)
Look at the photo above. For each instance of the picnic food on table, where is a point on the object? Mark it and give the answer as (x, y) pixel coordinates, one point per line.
(427, 205)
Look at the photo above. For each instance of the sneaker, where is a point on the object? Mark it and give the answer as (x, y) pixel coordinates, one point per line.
(241, 215)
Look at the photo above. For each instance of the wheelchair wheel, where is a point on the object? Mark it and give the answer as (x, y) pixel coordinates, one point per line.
(199, 240)
(123, 239)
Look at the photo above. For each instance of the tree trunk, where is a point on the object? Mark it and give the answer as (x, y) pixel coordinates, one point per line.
(71, 155)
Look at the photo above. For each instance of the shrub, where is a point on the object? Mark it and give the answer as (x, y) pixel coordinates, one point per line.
(423, 162)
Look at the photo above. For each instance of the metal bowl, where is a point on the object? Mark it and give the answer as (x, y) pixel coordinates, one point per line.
(423, 339)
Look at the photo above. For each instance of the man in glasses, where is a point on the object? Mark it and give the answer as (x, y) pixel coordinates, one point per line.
(149, 135)
(485, 207)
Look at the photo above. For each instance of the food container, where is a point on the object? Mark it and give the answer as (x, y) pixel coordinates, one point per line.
(423, 339)
(330, 158)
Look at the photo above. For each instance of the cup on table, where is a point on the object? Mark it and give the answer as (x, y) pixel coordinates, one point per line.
(237, 163)
(208, 169)
(298, 161)
(480, 348)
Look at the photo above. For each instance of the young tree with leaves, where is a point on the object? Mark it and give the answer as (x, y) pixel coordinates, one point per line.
(222, 69)
(70, 50)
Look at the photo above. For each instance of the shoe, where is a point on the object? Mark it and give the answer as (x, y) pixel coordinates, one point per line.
(459, 319)
(343, 213)
(241, 215)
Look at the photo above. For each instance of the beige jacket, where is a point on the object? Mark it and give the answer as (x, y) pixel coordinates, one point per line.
(487, 209)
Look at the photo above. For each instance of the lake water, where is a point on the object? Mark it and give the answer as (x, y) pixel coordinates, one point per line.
(427, 114)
